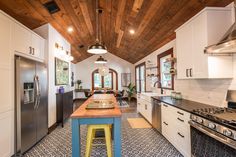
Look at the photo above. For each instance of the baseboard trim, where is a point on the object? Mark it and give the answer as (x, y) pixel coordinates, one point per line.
(51, 128)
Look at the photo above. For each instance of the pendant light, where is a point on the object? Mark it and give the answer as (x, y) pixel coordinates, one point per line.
(101, 60)
(103, 70)
(98, 47)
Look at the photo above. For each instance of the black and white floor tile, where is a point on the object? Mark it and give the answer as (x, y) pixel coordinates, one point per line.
(135, 143)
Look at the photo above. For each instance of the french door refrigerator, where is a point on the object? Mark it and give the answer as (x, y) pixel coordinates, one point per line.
(31, 103)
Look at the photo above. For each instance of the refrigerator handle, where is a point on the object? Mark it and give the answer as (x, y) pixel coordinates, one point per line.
(38, 93)
(35, 92)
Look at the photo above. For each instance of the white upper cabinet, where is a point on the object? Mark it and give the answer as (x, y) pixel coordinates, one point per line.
(204, 29)
(27, 43)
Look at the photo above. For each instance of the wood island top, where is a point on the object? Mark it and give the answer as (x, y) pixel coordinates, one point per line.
(82, 112)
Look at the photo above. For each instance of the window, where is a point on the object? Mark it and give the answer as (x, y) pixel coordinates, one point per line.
(109, 81)
(140, 77)
(165, 65)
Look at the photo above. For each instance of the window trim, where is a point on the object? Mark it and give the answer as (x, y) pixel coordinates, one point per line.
(110, 71)
(163, 54)
(138, 66)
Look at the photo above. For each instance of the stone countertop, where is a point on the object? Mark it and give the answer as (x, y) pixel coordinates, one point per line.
(183, 104)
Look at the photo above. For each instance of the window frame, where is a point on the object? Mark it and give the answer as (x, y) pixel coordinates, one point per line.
(139, 66)
(102, 78)
(164, 54)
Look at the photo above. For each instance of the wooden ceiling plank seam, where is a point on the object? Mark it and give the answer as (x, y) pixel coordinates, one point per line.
(119, 16)
(84, 10)
(120, 35)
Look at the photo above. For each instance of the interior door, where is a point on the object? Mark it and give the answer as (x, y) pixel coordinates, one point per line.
(26, 121)
(42, 106)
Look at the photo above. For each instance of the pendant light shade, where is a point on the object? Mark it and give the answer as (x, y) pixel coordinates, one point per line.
(101, 60)
(97, 48)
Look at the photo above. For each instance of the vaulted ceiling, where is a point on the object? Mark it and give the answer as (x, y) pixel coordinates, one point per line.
(154, 22)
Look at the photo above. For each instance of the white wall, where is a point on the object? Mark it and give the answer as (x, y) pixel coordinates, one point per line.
(85, 68)
(52, 37)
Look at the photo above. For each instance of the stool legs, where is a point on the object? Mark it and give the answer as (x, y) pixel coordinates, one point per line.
(89, 142)
(108, 141)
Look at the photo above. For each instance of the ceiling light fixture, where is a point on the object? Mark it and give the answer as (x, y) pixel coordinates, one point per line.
(131, 31)
(101, 60)
(98, 47)
(70, 29)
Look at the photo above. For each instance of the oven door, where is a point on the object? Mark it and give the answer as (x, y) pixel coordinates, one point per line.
(208, 143)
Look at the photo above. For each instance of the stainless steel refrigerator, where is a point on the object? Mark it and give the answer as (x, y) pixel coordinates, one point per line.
(31, 103)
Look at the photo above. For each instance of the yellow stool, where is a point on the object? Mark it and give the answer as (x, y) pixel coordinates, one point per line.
(91, 135)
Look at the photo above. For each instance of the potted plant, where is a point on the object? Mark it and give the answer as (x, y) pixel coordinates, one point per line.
(78, 82)
(130, 90)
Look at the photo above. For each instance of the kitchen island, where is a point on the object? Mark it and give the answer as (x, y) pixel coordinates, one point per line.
(83, 116)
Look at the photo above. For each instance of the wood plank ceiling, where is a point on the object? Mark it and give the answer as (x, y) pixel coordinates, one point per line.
(153, 21)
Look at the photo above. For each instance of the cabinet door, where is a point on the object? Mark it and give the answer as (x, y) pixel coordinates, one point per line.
(6, 63)
(21, 39)
(184, 50)
(7, 134)
(36, 45)
(200, 65)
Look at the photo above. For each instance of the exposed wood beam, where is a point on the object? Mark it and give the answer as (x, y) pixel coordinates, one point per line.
(85, 12)
(120, 35)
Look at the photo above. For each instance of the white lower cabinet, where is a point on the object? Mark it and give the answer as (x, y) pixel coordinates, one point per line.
(7, 134)
(144, 107)
(176, 129)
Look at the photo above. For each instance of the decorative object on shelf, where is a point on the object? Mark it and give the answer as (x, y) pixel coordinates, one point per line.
(130, 90)
(61, 90)
(63, 54)
(78, 82)
(61, 72)
(98, 47)
(101, 60)
(103, 70)
(125, 79)
(72, 79)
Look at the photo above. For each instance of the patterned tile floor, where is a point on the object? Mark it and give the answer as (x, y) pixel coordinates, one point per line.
(135, 143)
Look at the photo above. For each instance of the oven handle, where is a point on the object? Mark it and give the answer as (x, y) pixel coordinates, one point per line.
(213, 134)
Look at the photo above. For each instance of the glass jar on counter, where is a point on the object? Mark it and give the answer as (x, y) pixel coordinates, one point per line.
(173, 94)
(178, 95)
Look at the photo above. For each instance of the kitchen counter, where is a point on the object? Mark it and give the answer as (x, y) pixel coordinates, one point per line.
(183, 104)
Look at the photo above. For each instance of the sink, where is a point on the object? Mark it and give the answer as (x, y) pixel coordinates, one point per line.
(100, 104)
(147, 95)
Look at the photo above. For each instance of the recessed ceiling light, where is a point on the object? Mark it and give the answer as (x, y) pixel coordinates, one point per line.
(131, 31)
(70, 29)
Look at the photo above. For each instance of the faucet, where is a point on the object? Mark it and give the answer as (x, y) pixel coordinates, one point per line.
(160, 86)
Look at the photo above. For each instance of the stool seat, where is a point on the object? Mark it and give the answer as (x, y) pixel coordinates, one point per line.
(91, 135)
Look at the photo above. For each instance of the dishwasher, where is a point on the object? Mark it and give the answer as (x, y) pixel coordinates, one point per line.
(156, 114)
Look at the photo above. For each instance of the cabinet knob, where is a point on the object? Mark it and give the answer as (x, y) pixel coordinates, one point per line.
(180, 135)
(145, 106)
(30, 50)
(33, 51)
(165, 123)
(180, 113)
(187, 72)
(190, 70)
(180, 119)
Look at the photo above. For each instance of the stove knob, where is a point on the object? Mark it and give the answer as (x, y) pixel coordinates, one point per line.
(227, 132)
(212, 125)
(199, 120)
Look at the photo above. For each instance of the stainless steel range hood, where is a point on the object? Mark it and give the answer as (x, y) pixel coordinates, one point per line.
(227, 45)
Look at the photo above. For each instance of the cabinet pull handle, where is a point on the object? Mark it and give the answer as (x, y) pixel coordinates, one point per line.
(165, 123)
(145, 106)
(180, 119)
(187, 73)
(165, 105)
(33, 51)
(190, 72)
(30, 50)
(180, 135)
(180, 113)
(138, 103)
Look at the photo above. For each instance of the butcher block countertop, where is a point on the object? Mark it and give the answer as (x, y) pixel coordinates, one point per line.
(82, 112)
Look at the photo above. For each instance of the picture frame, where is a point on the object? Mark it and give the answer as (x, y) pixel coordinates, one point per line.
(125, 79)
(61, 72)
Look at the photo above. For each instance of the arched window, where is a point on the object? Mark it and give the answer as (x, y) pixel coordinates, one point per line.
(109, 81)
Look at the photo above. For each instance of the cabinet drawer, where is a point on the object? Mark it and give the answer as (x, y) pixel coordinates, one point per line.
(183, 142)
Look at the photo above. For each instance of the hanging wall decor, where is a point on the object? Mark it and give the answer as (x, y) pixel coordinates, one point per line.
(125, 79)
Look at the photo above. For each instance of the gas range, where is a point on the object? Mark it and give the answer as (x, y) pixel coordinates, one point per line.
(219, 123)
